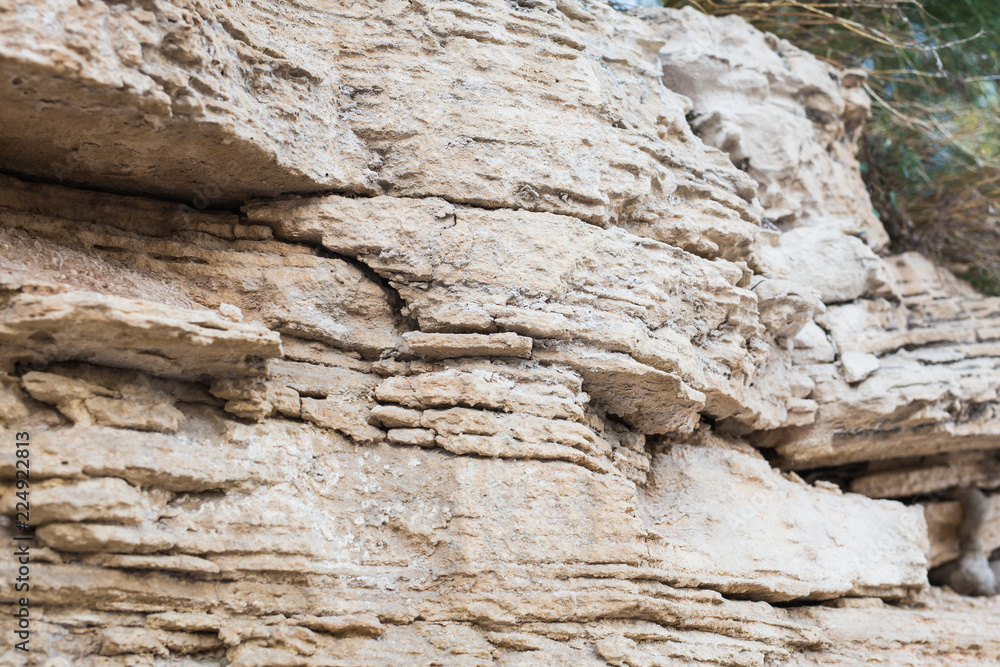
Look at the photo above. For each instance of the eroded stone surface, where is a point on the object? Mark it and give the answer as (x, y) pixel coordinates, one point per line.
(934, 390)
(444, 346)
(708, 505)
(744, 84)
(412, 422)
(548, 106)
(603, 289)
(129, 333)
(174, 255)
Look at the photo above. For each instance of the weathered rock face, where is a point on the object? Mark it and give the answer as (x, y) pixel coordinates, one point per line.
(742, 82)
(658, 334)
(554, 106)
(708, 504)
(474, 358)
(924, 375)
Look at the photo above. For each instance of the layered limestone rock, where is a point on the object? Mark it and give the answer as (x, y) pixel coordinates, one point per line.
(896, 372)
(916, 376)
(900, 364)
(658, 334)
(467, 362)
(745, 85)
(551, 106)
(707, 504)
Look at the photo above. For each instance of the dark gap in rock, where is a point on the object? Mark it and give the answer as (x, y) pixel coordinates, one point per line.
(396, 302)
(120, 192)
(841, 475)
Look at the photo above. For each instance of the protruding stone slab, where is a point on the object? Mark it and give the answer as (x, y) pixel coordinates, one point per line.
(858, 366)
(505, 387)
(107, 499)
(838, 266)
(723, 512)
(930, 475)
(130, 333)
(915, 377)
(93, 537)
(142, 459)
(445, 346)
(214, 104)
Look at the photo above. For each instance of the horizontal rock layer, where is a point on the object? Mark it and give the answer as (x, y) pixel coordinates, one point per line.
(931, 386)
(550, 106)
(466, 365)
(597, 300)
(506, 446)
(709, 505)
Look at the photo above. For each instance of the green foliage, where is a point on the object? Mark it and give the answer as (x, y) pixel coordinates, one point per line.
(982, 280)
(931, 154)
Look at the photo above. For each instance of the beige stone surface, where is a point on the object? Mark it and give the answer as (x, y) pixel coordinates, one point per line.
(467, 361)
(129, 333)
(934, 390)
(551, 106)
(603, 289)
(943, 519)
(444, 346)
(788, 119)
(145, 249)
(709, 505)
(838, 266)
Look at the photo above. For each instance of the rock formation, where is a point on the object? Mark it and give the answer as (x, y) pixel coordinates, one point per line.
(469, 333)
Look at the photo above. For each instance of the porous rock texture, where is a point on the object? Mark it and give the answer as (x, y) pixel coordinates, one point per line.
(469, 333)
